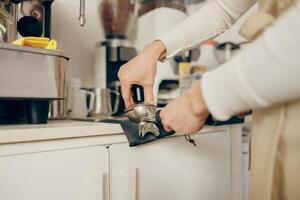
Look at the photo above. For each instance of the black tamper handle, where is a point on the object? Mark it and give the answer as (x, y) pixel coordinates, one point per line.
(138, 93)
(160, 126)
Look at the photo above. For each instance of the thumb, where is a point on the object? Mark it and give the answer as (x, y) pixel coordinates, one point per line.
(148, 92)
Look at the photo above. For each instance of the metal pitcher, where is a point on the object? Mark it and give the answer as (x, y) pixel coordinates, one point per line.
(103, 102)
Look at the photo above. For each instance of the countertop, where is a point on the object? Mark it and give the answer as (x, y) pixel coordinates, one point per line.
(56, 130)
(67, 129)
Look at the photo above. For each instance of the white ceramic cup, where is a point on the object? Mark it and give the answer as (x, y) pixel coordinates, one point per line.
(80, 106)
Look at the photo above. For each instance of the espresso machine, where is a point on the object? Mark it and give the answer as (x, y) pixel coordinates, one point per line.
(116, 17)
(7, 21)
(22, 18)
(34, 18)
(30, 78)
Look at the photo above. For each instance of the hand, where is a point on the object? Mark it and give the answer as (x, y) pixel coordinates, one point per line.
(141, 70)
(186, 114)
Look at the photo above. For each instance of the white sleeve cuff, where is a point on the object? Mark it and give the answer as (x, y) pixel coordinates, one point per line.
(174, 45)
(216, 95)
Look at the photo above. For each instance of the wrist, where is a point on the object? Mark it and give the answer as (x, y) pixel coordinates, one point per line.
(157, 49)
(196, 99)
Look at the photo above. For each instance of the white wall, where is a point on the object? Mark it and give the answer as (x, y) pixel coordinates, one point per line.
(77, 41)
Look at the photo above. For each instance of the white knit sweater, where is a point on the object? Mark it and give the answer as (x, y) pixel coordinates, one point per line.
(264, 74)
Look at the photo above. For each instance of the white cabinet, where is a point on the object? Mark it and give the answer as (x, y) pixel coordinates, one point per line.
(173, 169)
(105, 168)
(72, 174)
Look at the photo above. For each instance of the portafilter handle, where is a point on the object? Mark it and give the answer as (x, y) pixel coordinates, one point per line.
(137, 93)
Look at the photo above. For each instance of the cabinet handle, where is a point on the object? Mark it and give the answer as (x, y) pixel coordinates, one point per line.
(103, 187)
(129, 184)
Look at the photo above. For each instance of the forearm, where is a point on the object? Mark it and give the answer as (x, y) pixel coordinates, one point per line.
(265, 74)
(209, 21)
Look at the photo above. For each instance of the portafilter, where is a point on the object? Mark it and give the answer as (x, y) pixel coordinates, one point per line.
(145, 114)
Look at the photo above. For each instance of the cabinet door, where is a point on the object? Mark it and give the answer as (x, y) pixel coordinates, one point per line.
(173, 169)
(74, 174)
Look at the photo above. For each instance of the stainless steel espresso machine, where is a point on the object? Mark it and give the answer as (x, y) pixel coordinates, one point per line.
(30, 78)
(116, 17)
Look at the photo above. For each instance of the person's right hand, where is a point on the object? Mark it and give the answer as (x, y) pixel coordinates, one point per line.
(141, 70)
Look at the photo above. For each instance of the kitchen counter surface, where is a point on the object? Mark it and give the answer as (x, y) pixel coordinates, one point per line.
(56, 130)
(68, 129)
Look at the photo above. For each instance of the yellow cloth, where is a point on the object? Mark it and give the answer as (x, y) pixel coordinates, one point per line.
(37, 42)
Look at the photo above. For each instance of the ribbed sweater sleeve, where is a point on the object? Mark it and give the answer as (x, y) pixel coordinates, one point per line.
(209, 21)
(264, 74)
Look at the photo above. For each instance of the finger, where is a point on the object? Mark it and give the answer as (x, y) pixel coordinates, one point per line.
(148, 92)
(165, 121)
(168, 128)
(126, 94)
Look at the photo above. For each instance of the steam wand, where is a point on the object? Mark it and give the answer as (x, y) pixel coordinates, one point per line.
(82, 18)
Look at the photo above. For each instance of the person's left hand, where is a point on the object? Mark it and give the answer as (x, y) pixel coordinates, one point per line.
(186, 114)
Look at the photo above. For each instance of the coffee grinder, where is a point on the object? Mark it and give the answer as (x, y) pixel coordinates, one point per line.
(116, 17)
